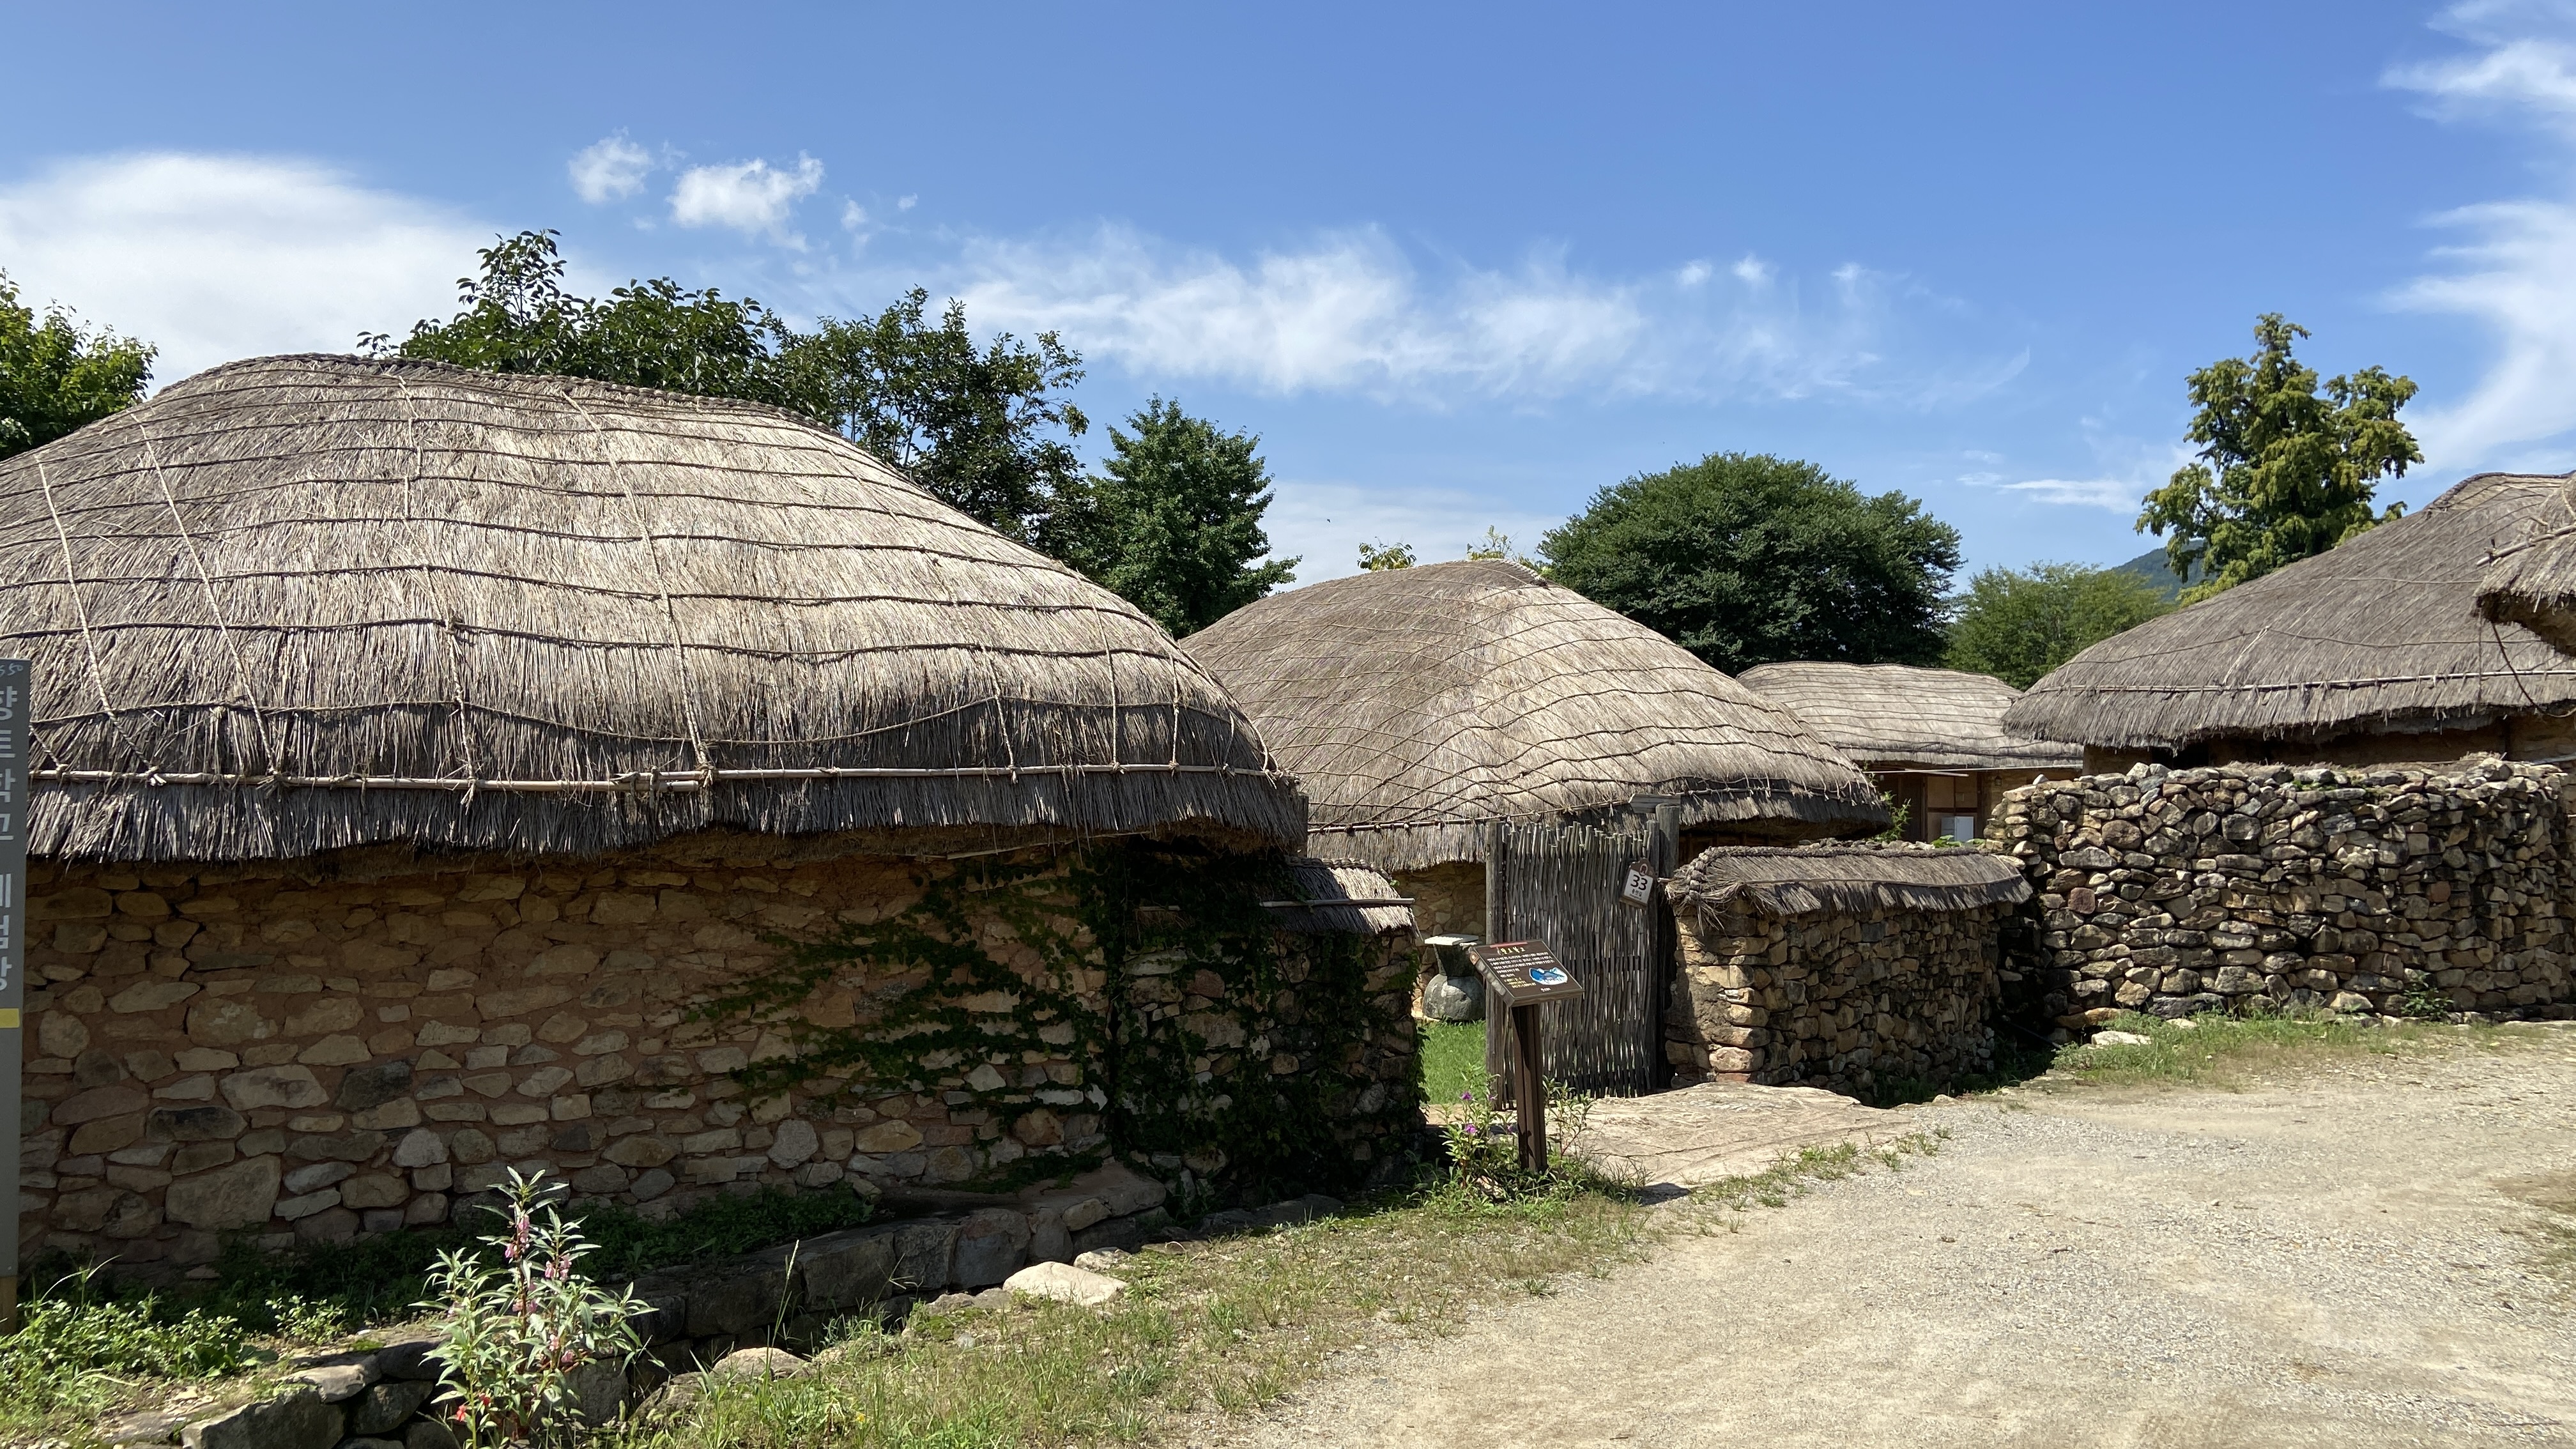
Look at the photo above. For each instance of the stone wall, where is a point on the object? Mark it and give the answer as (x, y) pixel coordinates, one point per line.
(2176, 891)
(344, 1047)
(1855, 1001)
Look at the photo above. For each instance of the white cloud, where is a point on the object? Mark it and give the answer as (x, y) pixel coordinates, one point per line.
(853, 216)
(609, 168)
(1350, 311)
(219, 257)
(1322, 525)
(1695, 274)
(2514, 270)
(906, 203)
(1752, 271)
(2117, 494)
(751, 197)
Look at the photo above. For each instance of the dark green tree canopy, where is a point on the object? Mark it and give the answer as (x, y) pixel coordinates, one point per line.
(2286, 471)
(1173, 524)
(1748, 559)
(977, 427)
(2018, 624)
(56, 376)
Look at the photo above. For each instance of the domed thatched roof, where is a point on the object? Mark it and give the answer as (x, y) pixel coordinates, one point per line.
(301, 603)
(1898, 717)
(1417, 704)
(2381, 633)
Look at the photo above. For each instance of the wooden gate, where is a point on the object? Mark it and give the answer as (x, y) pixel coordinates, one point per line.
(1559, 884)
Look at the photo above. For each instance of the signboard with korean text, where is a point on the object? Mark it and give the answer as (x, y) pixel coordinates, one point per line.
(1524, 973)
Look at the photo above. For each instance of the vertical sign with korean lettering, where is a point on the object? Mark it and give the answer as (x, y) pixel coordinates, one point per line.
(14, 703)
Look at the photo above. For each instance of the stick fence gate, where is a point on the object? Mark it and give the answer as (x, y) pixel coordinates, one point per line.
(1559, 884)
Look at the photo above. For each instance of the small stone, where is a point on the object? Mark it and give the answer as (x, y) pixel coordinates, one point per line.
(1454, 998)
(2120, 1038)
(760, 1363)
(1101, 1260)
(386, 1405)
(334, 1382)
(1065, 1283)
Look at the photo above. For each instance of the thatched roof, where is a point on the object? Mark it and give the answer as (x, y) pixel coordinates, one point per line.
(1417, 704)
(2382, 633)
(1340, 897)
(1856, 878)
(2532, 581)
(296, 604)
(1898, 717)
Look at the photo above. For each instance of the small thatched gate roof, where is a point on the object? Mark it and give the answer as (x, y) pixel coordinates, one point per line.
(1417, 704)
(302, 603)
(1855, 878)
(2531, 581)
(1899, 717)
(2382, 633)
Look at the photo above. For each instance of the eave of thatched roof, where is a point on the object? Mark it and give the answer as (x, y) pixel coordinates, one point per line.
(1341, 897)
(2381, 634)
(2532, 582)
(1419, 705)
(1898, 717)
(1858, 878)
(302, 604)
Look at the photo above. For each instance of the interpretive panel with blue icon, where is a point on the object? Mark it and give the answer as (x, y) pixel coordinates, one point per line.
(1524, 973)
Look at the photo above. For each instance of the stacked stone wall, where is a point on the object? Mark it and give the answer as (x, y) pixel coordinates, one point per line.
(1855, 1002)
(348, 1047)
(2356, 890)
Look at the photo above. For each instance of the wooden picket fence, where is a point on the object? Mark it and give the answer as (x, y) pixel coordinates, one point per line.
(1559, 885)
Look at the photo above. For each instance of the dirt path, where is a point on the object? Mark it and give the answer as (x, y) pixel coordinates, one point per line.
(2353, 1258)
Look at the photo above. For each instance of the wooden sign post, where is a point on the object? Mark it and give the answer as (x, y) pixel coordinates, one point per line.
(1523, 976)
(14, 709)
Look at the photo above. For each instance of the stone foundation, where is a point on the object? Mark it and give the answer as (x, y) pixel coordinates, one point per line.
(2176, 891)
(324, 1049)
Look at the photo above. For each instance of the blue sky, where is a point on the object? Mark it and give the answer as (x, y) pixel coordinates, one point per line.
(1458, 265)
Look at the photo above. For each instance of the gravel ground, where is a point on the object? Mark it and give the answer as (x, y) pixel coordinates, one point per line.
(2356, 1256)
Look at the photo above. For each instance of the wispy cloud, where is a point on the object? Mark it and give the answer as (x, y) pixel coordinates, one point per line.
(2120, 495)
(1350, 311)
(2514, 268)
(608, 169)
(751, 197)
(219, 257)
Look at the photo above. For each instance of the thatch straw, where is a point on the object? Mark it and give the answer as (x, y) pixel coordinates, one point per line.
(1855, 878)
(2380, 634)
(1898, 717)
(1418, 704)
(298, 604)
(1340, 897)
(2532, 582)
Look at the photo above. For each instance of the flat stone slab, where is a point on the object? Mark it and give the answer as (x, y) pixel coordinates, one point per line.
(1066, 1284)
(1699, 1135)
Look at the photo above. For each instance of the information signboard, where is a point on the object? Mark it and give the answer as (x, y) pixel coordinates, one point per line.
(1524, 973)
(13, 963)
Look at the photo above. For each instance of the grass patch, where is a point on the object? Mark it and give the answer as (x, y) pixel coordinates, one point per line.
(1453, 1059)
(77, 1357)
(1226, 1325)
(1796, 1175)
(2229, 1051)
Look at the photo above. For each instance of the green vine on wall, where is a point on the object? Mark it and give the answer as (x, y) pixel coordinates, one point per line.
(1136, 922)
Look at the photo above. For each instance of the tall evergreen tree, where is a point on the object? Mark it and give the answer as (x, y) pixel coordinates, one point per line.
(1173, 522)
(2286, 471)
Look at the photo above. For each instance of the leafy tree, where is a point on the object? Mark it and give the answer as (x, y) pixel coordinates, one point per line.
(2285, 472)
(55, 376)
(2018, 624)
(517, 317)
(1174, 525)
(1377, 558)
(1497, 544)
(1748, 559)
(973, 425)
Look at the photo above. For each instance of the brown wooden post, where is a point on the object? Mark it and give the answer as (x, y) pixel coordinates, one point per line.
(1498, 1069)
(1531, 1098)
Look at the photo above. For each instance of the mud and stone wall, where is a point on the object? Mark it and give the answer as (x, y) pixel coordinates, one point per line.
(1855, 1001)
(2378, 890)
(343, 1047)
